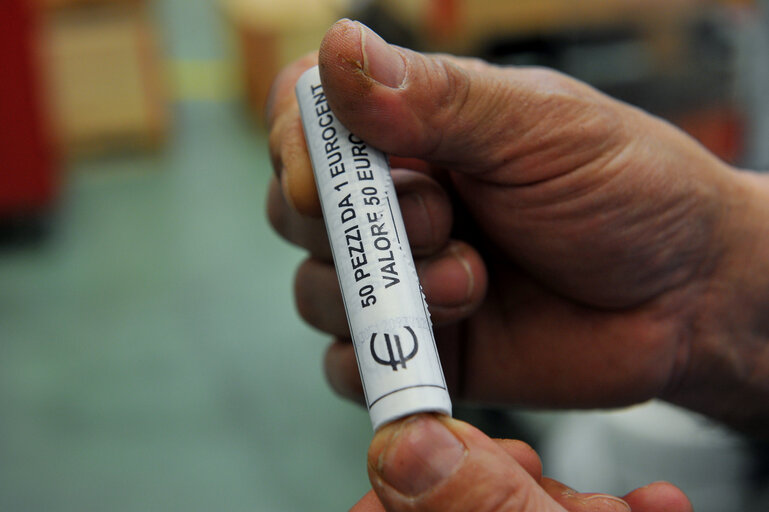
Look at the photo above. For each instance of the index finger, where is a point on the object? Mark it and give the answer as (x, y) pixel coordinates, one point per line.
(288, 150)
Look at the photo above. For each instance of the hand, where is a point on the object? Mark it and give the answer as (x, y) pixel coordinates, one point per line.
(427, 463)
(574, 251)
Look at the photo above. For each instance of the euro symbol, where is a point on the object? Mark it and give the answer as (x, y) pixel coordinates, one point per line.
(393, 361)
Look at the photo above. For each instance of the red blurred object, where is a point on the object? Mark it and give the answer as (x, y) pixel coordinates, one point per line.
(443, 19)
(718, 128)
(28, 178)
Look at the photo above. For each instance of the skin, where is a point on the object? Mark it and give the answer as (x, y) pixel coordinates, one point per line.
(574, 251)
(492, 474)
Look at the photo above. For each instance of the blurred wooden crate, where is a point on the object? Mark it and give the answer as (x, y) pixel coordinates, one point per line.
(105, 81)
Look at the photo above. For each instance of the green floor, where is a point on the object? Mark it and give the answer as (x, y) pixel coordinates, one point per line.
(150, 355)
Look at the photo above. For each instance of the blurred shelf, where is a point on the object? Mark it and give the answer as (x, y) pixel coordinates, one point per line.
(105, 81)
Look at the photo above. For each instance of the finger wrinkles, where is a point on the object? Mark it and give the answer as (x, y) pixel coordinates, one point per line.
(504, 491)
(449, 104)
(520, 499)
(524, 455)
(582, 502)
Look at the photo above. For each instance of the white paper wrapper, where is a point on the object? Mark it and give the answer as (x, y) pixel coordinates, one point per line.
(386, 311)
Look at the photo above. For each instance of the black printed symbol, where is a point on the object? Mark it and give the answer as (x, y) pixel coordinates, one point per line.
(395, 357)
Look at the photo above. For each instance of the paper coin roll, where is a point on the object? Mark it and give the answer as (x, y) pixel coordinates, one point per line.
(386, 311)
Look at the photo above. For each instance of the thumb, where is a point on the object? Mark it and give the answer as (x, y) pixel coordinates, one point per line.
(461, 111)
(434, 463)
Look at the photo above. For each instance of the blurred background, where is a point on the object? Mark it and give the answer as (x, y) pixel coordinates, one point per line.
(150, 354)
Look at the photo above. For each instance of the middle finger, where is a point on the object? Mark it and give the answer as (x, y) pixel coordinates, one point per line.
(427, 215)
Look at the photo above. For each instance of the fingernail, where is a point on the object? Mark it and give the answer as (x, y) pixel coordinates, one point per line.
(419, 226)
(448, 279)
(611, 502)
(417, 454)
(381, 61)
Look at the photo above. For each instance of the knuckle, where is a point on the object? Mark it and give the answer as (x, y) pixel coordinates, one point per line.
(592, 109)
(341, 371)
(456, 84)
(561, 112)
(551, 82)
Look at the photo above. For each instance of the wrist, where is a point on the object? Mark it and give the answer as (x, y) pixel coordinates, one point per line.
(726, 374)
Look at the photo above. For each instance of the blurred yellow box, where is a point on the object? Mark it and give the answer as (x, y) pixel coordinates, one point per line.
(105, 81)
(270, 34)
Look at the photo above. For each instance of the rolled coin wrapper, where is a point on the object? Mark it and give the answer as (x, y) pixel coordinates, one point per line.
(386, 310)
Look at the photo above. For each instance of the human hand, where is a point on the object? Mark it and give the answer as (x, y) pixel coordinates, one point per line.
(426, 463)
(574, 251)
